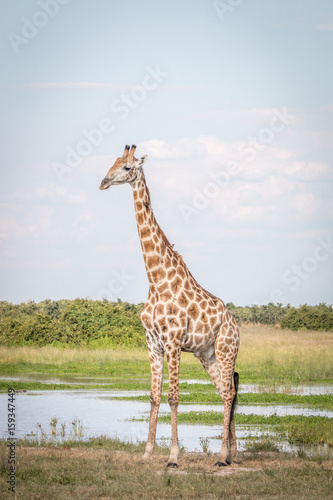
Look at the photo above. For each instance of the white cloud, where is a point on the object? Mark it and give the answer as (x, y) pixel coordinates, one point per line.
(325, 26)
(182, 149)
(72, 85)
(58, 193)
(84, 225)
(278, 187)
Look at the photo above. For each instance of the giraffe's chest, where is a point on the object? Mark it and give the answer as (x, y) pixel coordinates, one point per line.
(189, 324)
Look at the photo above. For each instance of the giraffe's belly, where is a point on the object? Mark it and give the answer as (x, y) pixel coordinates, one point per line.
(198, 341)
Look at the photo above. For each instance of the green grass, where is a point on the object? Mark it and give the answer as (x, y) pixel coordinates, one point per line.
(268, 355)
(45, 386)
(311, 430)
(314, 401)
(261, 443)
(216, 418)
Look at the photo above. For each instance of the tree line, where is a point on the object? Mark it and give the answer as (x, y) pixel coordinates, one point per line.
(304, 317)
(93, 323)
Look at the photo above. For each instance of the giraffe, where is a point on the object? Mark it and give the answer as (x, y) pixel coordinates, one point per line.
(179, 315)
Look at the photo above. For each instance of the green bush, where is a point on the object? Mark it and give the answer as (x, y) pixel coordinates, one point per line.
(270, 314)
(75, 322)
(100, 324)
(309, 318)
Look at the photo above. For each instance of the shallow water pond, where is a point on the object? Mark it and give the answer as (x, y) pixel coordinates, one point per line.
(302, 390)
(100, 414)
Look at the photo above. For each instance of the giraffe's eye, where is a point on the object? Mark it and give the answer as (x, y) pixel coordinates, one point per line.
(127, 168)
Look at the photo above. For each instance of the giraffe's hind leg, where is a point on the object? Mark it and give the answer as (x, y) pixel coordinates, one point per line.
(219, 362)
(232, 430)
(210, 364)
(226, 349)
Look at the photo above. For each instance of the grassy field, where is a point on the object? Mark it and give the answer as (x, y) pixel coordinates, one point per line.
(268, 355)
(272, 358)
(111, 470)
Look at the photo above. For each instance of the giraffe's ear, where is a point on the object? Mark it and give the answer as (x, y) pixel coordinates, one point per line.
(143, 160)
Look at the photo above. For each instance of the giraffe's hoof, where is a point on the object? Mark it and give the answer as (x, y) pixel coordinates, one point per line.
(221, 464)
(172, 465)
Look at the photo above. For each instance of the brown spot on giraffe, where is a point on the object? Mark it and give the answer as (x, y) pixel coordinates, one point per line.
(172, 272)
(171, 309)
(181, 272)
(164, 286)
(148, 246)
(189, 294)
(166, 296)
(173, 322)
(167, 264)
(193, 311)
(145, 232)
(153, 261)
(158, 274)
(160, 309)
(176, 285)
(183, 300)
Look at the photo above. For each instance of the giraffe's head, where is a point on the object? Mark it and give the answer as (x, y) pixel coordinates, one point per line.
(125, 169)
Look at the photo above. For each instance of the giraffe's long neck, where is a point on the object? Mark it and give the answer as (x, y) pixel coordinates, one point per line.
(157, 251)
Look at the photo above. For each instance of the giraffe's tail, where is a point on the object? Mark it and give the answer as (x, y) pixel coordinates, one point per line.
(236, 380)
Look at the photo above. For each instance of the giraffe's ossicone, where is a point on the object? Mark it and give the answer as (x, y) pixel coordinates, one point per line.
(179, 315)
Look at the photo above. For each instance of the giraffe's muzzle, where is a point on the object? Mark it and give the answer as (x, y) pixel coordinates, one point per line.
(105, 184)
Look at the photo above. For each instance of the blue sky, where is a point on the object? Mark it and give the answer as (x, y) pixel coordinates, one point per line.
(232, 101)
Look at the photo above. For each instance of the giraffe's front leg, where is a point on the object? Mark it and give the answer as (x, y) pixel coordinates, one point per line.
(156, 356)
(173, 358)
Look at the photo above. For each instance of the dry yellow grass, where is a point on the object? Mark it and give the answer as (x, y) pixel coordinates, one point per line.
(56, 356)
(265, 353)
(305, 355)
(53, 473)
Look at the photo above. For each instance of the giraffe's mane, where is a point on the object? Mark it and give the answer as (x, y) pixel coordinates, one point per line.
(164, 238)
